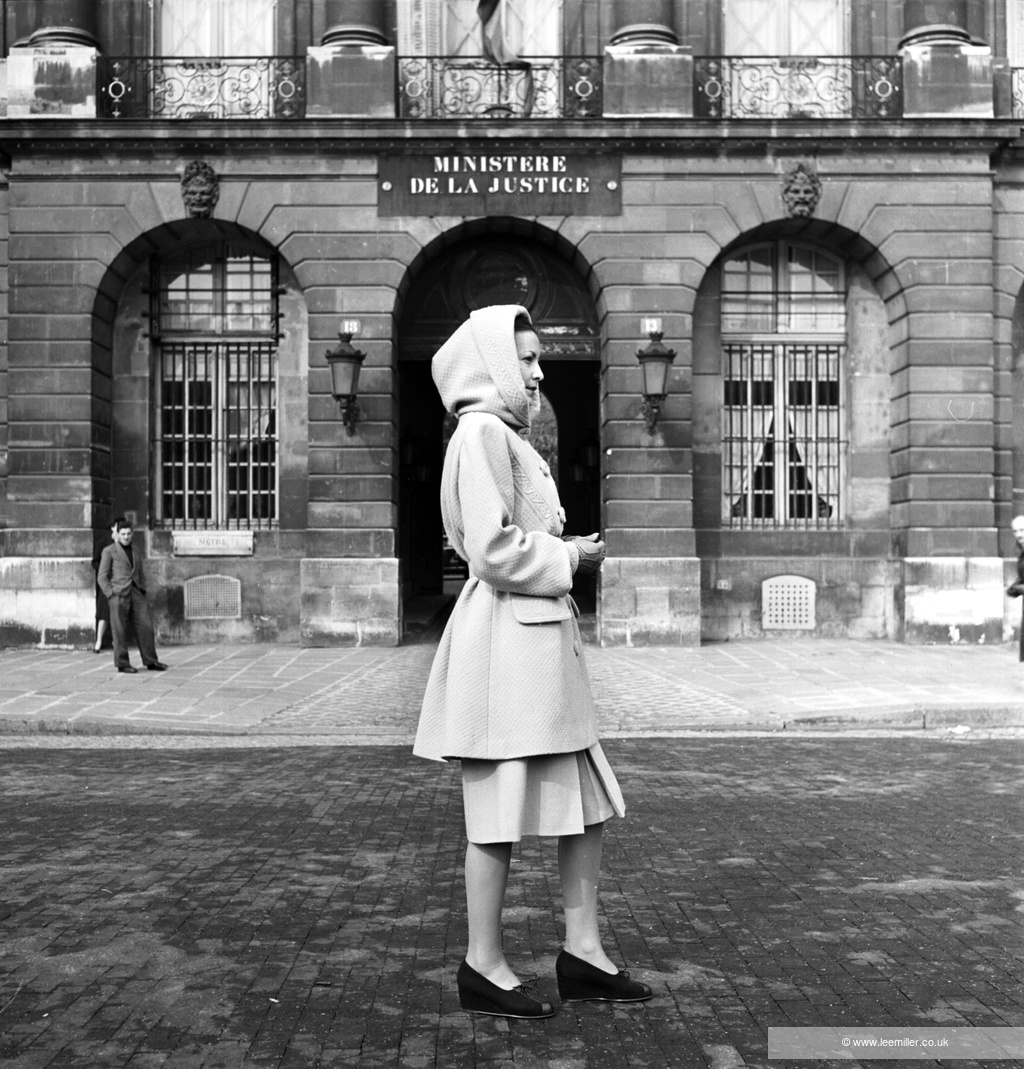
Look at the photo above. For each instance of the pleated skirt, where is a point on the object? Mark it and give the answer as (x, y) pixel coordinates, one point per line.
(550, 794)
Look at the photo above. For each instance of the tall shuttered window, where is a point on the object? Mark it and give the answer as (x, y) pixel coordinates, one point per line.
(216, 445)
(783, 350)
(785, 27)
(468, 28)
(193, 28)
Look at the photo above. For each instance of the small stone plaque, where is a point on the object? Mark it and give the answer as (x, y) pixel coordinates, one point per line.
(212, 543)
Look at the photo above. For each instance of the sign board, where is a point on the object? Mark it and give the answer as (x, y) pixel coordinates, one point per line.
(212, 543)
(500, 182)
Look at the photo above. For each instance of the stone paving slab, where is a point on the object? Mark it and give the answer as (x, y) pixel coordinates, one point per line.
(374, 692)
(233, 904)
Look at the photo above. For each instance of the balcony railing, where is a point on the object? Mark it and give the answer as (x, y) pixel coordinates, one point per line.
(798, 87)
(161, 87)
(466, 88)
(447, 87)
(1017, 91)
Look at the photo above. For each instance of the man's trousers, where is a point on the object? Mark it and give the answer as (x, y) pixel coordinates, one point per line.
(131, 608)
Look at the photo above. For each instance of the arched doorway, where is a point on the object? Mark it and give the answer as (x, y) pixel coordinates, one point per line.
(473, 273)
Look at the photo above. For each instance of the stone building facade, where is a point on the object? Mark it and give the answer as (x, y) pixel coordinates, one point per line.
(821, 215)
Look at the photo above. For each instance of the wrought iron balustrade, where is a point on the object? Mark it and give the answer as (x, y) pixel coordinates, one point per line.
(456, 87)
(798, 87)
(1017, 92)
(165, 87)
(543, 88)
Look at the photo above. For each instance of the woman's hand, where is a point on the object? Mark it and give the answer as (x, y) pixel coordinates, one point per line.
(591, 550)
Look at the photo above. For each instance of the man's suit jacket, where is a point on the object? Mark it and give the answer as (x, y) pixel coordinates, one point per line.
(116, 575)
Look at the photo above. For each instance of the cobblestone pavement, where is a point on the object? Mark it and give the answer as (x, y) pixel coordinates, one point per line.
(373, 694)
(199, 907)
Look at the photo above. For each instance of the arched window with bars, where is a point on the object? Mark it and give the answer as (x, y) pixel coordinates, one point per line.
(783, 406)
(216, 437)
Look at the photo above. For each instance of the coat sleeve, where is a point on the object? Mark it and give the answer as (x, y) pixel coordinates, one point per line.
(104, 573)
(501, 553)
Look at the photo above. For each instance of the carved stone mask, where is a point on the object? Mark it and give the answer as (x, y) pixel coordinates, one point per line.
(200, 189)
(801, 191)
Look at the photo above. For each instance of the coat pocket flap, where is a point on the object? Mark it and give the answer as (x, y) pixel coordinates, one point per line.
(531, 609)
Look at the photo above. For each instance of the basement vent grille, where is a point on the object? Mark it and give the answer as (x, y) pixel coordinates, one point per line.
(209, 597)
(787, 603)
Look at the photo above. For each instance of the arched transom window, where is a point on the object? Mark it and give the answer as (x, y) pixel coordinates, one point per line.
(215, 447)
(783, 344)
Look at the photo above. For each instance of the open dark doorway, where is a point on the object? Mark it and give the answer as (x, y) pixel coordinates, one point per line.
(472, 274)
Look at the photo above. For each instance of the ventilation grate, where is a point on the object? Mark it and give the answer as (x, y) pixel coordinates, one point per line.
(209, 597)
(787, 603)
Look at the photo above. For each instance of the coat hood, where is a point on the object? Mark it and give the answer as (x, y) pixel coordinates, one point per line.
(477, 368)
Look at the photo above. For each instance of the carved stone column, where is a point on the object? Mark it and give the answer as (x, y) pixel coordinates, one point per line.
(352, 74)
(646, 72)
(643, 22)
(942, 21)
(945, 73)
(51, 73)
(355, 22)
(65, 22)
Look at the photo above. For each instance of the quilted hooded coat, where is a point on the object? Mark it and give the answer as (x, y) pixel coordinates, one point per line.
(509, 678)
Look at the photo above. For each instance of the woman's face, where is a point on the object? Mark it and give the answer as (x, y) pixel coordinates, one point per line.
(528, 348)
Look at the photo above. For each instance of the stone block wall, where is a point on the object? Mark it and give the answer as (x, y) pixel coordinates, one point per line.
(350, 602)
(47, 602)
(650, 602)
(952, 599)
(4, 401)
(854, 598)
(931, 434)
(269, 585)
(73, 466)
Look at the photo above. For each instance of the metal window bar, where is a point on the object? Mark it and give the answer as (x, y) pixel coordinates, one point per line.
(216, 454)
(201, 87)
(782, 434)
(748, 310)
(216, 450)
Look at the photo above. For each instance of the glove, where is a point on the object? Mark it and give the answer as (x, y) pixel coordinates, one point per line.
(591, 550)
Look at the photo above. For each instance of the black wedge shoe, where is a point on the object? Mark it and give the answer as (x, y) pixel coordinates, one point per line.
(579, 981)
(478, 995)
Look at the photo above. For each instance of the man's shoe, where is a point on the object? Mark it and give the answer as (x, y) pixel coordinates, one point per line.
(128, 668)
(157, 666)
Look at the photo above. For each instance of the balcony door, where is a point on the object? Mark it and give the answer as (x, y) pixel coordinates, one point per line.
(1015, 32)
(214, 60)
(194, 28)
(502, 30)
(786, 27)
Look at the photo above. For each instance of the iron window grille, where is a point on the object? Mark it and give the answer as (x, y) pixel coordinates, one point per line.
(783, 406)
(216, 444)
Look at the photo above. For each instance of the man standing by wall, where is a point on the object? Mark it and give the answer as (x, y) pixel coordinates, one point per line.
(121, 578)
(1016, 588)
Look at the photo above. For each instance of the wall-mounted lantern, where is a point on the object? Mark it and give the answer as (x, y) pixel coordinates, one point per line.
(345, 362)
(655, 361)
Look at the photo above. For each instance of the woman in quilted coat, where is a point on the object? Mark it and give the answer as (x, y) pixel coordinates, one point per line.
(508, 692)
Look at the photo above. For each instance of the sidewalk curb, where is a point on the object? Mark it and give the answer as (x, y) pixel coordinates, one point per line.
(897, 718)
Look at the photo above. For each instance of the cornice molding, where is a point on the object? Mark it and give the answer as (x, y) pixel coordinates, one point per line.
(64, 136)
